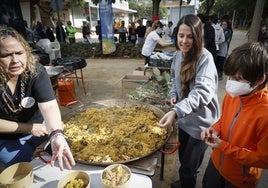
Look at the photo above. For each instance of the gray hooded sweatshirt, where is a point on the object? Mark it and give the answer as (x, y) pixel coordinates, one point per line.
(201, 106)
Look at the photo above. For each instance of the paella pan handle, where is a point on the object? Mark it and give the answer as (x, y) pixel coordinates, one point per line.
(175, 145)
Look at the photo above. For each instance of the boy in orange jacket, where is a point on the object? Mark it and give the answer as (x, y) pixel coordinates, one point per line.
(240, 137)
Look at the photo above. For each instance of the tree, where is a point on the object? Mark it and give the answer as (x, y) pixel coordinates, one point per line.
(145, 10)
(256, 22)
(49, 10)
(249, 14)
(156, 4)
(207, 6)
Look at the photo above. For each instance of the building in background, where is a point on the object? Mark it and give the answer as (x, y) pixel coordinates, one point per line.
(76, 15)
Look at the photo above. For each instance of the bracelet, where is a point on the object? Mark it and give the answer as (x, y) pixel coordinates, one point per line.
(55, 136)
(55, 132)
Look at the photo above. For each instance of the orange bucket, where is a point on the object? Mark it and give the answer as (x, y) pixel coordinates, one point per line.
(66, 91)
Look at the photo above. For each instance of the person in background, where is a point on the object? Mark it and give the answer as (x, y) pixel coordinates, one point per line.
(28, 107)
(29, 32)
(240, 137)
(60, 32)
(168, 31)
(155, 19)
(70, 32)
(148, 28)
(141, 29)
(194, 97)
(153, 38)
(209, 36)
(122, 30)
(219, 35)
(132, 33)
(86, 31)
(223, 49)
(229, 27)
(39, 31)
(50, 34)
(98, 30)
(263, 34)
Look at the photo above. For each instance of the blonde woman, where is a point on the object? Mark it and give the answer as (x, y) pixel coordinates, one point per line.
(29, 113)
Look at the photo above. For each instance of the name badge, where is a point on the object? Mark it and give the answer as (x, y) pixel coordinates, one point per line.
(27, 102)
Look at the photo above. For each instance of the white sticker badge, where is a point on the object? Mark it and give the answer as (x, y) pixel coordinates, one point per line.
(27, 102)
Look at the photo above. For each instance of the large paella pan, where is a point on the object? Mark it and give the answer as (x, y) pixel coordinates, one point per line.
(114, 131)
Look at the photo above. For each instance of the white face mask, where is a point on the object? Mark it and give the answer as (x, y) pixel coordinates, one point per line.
(235, 88)
(159, 32)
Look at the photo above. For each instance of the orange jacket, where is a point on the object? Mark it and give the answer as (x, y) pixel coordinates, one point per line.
(243, 128)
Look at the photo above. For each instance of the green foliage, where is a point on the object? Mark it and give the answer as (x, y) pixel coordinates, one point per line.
(76, 3)
(146, 10)
(244, 8)
(163, 11)
(155, 91)
(94, 50)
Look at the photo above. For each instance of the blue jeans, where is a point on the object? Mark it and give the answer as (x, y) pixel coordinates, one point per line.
(191, 154)
(19, 150)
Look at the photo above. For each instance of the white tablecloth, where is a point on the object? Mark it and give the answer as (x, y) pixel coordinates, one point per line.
(46, 176)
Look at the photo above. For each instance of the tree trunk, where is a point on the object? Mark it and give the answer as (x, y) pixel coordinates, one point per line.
(156, 4)
(209, 5)
(256, 21)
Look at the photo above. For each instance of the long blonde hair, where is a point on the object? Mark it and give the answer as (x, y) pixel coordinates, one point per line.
(30, 69)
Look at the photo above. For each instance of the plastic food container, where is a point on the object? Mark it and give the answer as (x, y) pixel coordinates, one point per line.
(17, 175)
(116, 176)
(78, 179)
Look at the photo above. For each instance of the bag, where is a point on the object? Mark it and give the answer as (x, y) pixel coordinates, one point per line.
(71, 63)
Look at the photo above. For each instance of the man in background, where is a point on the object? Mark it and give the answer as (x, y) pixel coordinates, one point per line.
(141, 29)
(168, 31)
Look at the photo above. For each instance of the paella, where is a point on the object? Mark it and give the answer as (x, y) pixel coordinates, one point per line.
(114, 134)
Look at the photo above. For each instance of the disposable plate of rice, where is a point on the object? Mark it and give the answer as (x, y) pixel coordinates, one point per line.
(116, 176)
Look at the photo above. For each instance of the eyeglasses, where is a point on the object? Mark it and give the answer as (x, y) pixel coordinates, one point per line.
(9, 101)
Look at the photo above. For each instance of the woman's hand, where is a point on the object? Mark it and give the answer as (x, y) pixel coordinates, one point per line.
(167, 119)
(61, 152)
(211, 137)
(39, 130)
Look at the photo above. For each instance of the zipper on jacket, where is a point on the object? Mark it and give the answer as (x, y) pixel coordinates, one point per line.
(229, 134)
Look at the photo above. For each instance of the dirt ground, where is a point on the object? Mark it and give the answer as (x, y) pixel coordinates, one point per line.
(103, 81)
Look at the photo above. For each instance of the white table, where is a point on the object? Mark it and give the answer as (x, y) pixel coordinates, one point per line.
(46, 176)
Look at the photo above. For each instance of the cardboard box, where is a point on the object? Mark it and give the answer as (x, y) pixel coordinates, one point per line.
(140, 71)
(131, 82)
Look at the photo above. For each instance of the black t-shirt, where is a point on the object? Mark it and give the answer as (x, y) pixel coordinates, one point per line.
(40, 89)
(141, 30)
